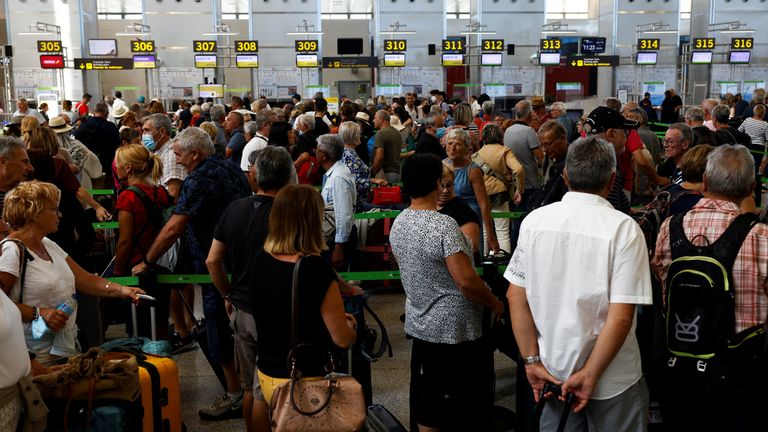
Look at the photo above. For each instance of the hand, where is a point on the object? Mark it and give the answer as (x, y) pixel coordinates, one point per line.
(493, 244)
(55, 318)
(498, 309)
(139, 269)
(351, 321)
(228, 307)
(582, 385)
(337, 257)
(102, 214)
(130, 293)
(538, 376)
(380, 182)
(517, 199)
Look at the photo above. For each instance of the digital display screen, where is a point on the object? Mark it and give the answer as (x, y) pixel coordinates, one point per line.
(144, 62)
(394, 60)
(739, 57)
(52, 61)
(646, 58)
(211, 90)
(102, 47)
(247, 60)
(701, 57)
(549, 59)
(306, 60)
(490, 59)
(205, 61)
(453, 60)
(594, 45)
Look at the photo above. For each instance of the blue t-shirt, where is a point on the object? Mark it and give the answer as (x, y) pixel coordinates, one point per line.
(237, 143)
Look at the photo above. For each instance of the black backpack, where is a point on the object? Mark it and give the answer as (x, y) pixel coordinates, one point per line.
(700, 297)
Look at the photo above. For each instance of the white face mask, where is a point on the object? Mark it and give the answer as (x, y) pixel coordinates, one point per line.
(433, 99)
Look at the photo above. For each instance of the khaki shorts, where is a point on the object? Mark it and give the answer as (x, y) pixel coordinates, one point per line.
(245, 350)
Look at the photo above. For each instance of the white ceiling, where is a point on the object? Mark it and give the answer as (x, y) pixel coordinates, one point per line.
(232, 6)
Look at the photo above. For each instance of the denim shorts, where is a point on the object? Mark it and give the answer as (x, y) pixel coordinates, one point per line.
(221, 343)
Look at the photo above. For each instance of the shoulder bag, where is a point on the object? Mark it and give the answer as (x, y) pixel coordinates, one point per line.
(334, 403)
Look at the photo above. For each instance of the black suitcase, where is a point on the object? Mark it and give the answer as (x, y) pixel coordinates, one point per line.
(380, 419)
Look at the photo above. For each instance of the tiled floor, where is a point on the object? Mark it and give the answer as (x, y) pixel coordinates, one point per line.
(390, 375)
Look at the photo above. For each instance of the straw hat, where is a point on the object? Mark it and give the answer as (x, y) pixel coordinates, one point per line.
(120, 111)
(58, 125)
(537, 101)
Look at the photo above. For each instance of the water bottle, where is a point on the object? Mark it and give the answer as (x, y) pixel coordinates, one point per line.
(69, 305)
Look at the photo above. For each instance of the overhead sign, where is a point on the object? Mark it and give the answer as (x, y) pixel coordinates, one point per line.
(703, 43)
(204, 46)
(247, 60)
(306, 61)
(205, 61)
(142, 46)
(246, 46)
(394, 60)
(102, 64)
(450, 60)
(306, 46)
(741, 43)
(550, 45)
(592, 61)
(395, 45)
(52, 61)
(350, 62)
(453, 46)
(592, 45)
(49, 46)
(493, 45)
(648, 44)
(144, 62)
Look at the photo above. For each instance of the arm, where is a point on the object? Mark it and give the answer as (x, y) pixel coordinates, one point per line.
(84, 197)
(470, 284)
(472, 230)
(645, 166)
(215, 264)
(228, 152)
(519, 172)
(165, 239)
(525, 333)
(340, 326)
(301, 159)
(97, 286)
(125, 240)
(583, 382)
(378, 160)
(538, 153)
(344, 208)
(478, 186)
(174, 187)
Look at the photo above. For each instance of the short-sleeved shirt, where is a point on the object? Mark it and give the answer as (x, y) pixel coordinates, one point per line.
(14, 360)
(522, 139)
(206, 192)
(271, 304)
(360, 171)
(171, 170)
(391, 141)
(146, 231)
(242, 228)
(574, 258)
(237, 144)
(435, 309)
(634, 143)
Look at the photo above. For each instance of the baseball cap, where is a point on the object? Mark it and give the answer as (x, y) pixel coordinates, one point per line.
(603, 118)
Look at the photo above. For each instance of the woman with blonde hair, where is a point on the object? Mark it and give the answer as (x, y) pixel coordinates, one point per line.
(28, 123)
(295, 238)
(51, 277)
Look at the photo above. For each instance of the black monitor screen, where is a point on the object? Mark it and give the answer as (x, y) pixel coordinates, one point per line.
(350, 46)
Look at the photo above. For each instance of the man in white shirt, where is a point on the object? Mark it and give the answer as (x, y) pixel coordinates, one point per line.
(23, 109)
(257, 134)
(338, 192)
(579, 269)
(118, 100)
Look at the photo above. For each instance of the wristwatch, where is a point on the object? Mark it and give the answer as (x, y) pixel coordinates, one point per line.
(531, 360)
(35, 313)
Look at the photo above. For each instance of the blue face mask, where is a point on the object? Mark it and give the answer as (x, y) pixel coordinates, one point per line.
(149, 141)
(440, 132)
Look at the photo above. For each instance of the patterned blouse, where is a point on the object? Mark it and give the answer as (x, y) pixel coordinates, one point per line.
(360, 171)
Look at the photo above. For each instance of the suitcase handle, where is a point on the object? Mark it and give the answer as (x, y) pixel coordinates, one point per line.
(554, 389)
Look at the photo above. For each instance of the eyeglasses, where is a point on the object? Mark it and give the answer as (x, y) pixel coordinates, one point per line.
(672, 141)
(446, 187)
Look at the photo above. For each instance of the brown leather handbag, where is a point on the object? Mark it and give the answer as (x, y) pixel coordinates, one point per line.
(334, 403)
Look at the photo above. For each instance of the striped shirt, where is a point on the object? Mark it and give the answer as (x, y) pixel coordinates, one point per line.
(756, 129)
(708, 219)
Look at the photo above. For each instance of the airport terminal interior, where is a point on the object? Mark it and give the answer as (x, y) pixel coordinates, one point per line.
(578, 52)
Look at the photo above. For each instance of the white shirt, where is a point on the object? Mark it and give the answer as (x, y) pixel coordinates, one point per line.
(30, 112)
(171, 170)
(46, 284)
(258, 142)
(574, 258)
(14, 360)
(339, 190)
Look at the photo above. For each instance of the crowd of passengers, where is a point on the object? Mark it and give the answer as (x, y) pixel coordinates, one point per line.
(251, 188)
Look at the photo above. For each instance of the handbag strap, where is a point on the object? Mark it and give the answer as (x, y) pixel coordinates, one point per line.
(23, 259)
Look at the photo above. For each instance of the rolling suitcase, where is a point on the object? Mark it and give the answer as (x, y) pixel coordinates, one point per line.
(380, 419)
(556, 391)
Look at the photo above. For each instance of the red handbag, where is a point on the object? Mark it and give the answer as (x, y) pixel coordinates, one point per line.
(387, 195)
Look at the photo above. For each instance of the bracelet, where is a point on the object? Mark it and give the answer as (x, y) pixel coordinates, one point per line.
(106, 287)
(149, 264)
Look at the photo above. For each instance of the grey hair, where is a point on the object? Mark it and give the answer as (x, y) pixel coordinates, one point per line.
(307, 120)
(206, 106)
(261, 118)
(279, 113)
(349, 131)
(684, 129)
(8, 144)
(758, 96)
(612, 103)
(250, 128)
(721, 113)
(160, 121)
(461, 135)
(195, 138)
(492, 134)
(488, 107)
(436, 109)
(523, 109)
(332, 145)
(640, 112)
(217, 113)
(694, 114)
(730, 171)
(560, 106)
(462, 114)
(274, 168)
(553, 127)
(382, 115)
(708, 104)
(589, 164)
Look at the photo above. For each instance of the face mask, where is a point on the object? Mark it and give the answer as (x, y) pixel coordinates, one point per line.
(149, 142)
(433, 99)
(440, 132)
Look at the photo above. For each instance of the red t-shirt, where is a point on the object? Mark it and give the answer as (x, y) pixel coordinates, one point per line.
(131, 202)
(81, 108)
(634, 143)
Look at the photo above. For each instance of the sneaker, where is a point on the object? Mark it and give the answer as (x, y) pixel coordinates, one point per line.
(222, 408)
(181, 344)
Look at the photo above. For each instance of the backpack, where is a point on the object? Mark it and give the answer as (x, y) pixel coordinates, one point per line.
(654, 213)
(488, 171)
(700, 299)
(157, 217)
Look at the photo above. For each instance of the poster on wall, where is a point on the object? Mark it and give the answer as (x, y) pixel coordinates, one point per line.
(420, 80)
(518, 81)
(723, 87)
(747, 87)
(656, 89)
(495, 90)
